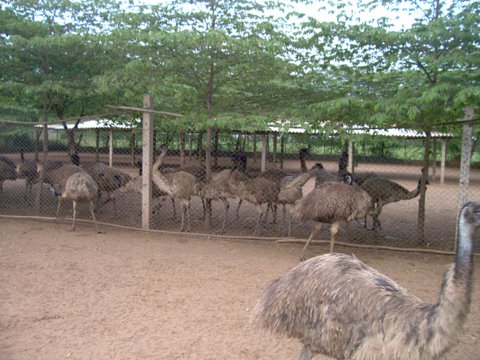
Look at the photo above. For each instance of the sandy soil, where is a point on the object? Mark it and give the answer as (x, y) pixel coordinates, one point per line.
(135, 295)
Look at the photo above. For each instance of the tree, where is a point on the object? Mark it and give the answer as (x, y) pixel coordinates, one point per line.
(413, 77)
(50, 51)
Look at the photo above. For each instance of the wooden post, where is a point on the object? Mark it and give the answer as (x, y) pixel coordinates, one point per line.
(423, 191)
(282, 150)
(274, 150)
(147, 162)
(208, 174)
(208, 154)
(97, 145)
(190, 145)
(442, 164)
(181, 146)
(35, 144)
(216, 146)
(350, 156)
(110, 148)
(254, 148)
(38, 197)
(264, 152)
(132, 147)
(434, 160)
(466, 158)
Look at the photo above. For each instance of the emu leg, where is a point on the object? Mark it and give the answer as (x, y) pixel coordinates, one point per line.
(376, 221)
(238, 207)
(92, 211)
(333, 234)
(289, 220)
(204, 208)
(260, 214)
(183, 211)
(58, 207)
(306, 353)
(187, 207)
(274, 213)
(74, 205)
(227, 207)
(315, 230)
(174, 210)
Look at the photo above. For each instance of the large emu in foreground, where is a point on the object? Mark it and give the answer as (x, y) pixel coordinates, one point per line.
(332, 203)
(340, 307)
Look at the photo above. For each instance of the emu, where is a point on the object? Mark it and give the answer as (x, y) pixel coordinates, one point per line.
(340, 307)
(78, 187)
(332, 203)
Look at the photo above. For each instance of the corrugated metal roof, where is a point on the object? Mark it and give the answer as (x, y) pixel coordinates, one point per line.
(359, 130)
(100, 124)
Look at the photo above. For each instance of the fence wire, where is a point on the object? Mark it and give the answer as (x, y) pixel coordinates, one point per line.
(115, 167)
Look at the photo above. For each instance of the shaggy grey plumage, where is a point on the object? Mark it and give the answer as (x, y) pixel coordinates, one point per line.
(79, 187)
(57, 177)
(135, 185)
(360, 178)
(7, 171)
(340, 307)
(332, 203)
(323, 176)
(218, 188)
(291, 191)
(384, 191)
(257, 191)
(108, 180)
(180, 185)
(28, 170)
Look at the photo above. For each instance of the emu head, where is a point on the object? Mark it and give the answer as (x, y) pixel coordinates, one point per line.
(240, 161)
(317, 166)
(75, 159)
(117, 181)
(471, 213)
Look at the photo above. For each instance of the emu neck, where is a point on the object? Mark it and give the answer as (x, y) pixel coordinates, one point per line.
(300, 180)
(445, 319)
(158, 178)
(464, 254)
(303, 164)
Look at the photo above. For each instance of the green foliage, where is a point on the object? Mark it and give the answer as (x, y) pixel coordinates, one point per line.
(241, 64)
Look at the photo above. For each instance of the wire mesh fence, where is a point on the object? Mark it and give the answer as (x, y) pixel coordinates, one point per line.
(230, 203)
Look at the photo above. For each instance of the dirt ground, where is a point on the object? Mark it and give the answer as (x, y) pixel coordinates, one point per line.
(136, 295)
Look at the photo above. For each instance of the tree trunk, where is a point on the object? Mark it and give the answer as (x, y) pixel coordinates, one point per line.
(215, 148)
(423, 191)
(181, 145)
(282, 150)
